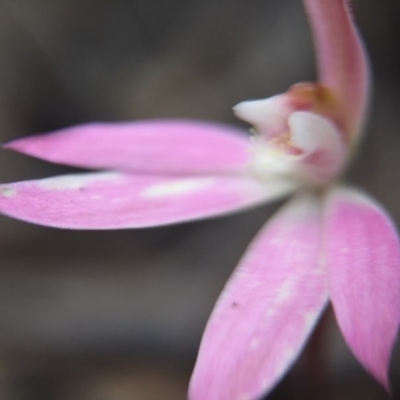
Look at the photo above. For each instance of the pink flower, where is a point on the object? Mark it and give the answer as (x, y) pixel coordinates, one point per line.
(329, 242)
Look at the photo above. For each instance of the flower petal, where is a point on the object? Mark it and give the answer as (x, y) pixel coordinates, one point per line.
(322, 144)
(342, 61)
(113, 200)
(363, 261)
(159, 146)
(266, 311)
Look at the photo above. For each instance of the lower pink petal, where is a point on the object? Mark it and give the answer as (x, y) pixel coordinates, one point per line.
(161, 146)
(267, 310)
(363, 259)
(114, 200)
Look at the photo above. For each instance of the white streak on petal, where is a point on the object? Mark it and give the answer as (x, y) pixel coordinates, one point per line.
(254, 344)
(75, 181)
(8, 192)
(176, 188)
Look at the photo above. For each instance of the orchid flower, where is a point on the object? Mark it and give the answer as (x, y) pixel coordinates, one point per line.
(329, 242)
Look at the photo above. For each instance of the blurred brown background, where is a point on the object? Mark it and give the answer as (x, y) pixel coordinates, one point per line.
(119, 315)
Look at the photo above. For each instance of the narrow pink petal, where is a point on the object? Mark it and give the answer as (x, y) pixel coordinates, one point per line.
(114, 200)
(163, 146)
(342, 61)
(267, 310)
(322, 144)
(363, 261)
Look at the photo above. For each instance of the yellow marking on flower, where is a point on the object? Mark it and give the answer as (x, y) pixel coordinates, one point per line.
(319, 99)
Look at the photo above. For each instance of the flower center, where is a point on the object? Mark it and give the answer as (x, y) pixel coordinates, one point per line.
(273, 157)
(299, 135)
(312, 152)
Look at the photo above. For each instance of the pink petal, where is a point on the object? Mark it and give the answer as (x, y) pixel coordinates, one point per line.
(343, 65)
(115, 200)
(267, 310)
(148, 146)
(363, 259)
(322, 144)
